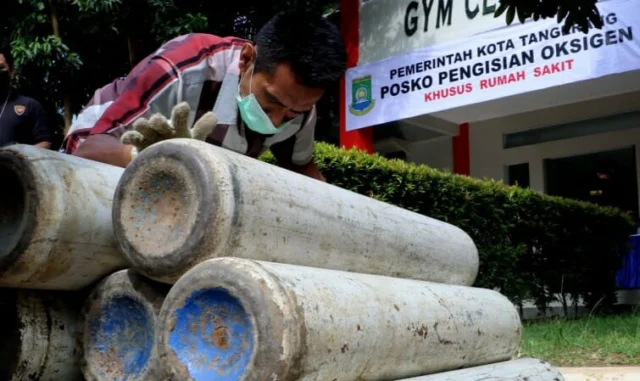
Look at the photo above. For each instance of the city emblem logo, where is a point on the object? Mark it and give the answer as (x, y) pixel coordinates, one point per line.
(19, 109)
(361, 95)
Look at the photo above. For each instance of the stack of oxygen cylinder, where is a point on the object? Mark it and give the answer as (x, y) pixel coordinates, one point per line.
(197, 263)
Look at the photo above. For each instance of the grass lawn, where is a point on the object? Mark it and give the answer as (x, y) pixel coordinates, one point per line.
(594, 341)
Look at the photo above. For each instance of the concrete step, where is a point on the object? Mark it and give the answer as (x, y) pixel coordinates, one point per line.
(630, 373)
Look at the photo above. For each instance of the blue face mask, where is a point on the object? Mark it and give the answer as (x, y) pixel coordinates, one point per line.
(254, 116)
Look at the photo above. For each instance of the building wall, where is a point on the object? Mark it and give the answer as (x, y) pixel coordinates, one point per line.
(489, 159)
(436, 153)
(391, 27)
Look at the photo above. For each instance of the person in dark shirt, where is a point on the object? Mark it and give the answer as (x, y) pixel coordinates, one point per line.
(22, 119)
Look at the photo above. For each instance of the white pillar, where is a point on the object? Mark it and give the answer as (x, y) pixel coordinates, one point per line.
(516, 370)
(38, 336)
(55, 219)
(116, 328)
(236, 319)
(183, 201)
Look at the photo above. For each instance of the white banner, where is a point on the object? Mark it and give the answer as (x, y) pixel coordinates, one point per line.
(492, 65)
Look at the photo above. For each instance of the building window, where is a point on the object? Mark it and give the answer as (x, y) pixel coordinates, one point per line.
(572, 130)
(605, 178)
(518, 174)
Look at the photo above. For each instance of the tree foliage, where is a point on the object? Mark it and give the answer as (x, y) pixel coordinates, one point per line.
(580, 13)
(65, 49)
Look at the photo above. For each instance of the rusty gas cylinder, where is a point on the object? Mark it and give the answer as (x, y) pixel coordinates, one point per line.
(38, 336)
(117, 328)
(524, 369)
(55, 219)
(239, 319)
(182, 201)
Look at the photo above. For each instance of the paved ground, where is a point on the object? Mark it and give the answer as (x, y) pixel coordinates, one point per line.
(601, 374)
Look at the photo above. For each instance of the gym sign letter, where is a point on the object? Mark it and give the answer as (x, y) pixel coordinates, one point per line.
(418, 12)
(412, 17)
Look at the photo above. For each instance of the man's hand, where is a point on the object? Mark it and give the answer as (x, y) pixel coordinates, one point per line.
(155, 129)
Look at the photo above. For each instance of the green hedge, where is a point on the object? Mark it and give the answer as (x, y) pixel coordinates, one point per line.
(531, 245)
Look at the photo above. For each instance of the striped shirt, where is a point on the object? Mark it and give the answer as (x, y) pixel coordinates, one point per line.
(202, 70)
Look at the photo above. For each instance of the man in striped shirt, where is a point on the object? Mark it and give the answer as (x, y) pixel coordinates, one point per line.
(263, 95)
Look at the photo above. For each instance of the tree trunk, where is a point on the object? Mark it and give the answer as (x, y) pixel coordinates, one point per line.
(563, 299)
(54, 18)
(132, 51)
(56, 32)
(67, 113)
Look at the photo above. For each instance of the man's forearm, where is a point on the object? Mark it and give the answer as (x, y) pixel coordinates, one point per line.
(43, 144)
(105, 149)
(312, 171)
(309, 170)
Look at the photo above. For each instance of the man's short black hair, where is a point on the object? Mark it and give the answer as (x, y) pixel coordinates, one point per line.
(309, 43)
(6, 52)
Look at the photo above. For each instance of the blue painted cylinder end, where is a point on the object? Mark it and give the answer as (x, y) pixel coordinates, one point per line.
(121, 340)
(213, 335)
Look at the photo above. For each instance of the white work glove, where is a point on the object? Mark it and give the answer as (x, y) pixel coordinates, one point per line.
(146, 132)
